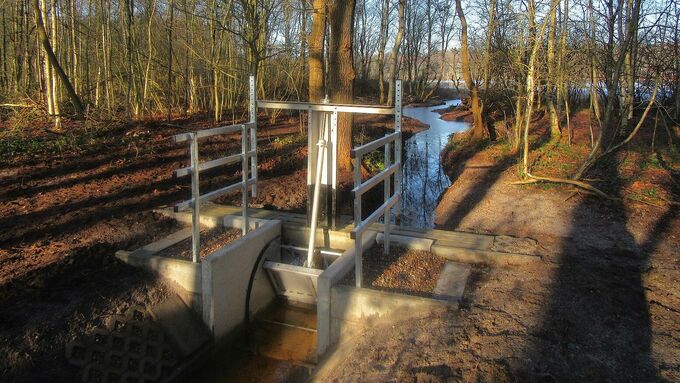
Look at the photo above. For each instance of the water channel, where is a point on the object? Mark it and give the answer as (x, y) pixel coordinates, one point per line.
(424, 179)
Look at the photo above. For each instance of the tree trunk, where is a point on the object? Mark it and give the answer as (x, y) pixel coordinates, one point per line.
(562, 88)
(551, 99)
(478, 130)
(44, 40)
(74, 50)
(316, 52)
(47, 69)
(168, 96)
(341, 73)
(395, 52)
(384, 22)
(487, 51)
(530, 86)
(127, 18)
(54, 83)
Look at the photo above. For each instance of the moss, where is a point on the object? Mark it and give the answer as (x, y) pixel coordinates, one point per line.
(374, 161)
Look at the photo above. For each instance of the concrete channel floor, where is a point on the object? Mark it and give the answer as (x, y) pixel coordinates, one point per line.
(286, 332)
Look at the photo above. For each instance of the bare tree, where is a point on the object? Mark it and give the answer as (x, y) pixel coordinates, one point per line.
(53, 61)
(478, 130)
(341, 72)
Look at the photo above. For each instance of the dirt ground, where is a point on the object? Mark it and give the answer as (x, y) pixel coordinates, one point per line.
(66, 300)
(68, 202)
(603, 304)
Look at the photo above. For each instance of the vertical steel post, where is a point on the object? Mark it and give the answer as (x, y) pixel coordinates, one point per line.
(244, 178)
(334, 167)
(311, 129)
(387, 187)
(358, 256)
(196, 197)
(253, 134)
(397, 147)
(321, 154)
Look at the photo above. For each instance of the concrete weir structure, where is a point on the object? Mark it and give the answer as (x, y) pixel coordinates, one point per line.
(233, 283)
(218, 286)
(284, 283)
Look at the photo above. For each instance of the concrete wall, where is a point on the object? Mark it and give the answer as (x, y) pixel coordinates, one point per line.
(299, 236)
(216, 287)
(186, 274)
(332, 275)
(344, 310)
(226, 274)
(354, 308)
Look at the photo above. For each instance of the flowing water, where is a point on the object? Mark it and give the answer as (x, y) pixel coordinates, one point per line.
(424, 179)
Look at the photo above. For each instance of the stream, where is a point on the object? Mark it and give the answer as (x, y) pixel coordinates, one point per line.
(424, 179)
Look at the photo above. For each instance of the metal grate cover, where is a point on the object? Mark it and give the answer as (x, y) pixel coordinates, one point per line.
(130, 348)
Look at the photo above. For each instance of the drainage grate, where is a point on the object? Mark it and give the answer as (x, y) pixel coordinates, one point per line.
(130, 348)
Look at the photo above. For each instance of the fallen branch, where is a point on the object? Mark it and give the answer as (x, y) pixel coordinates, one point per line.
(669, 201)
(534, 179)
(16, 106)
(643, 201)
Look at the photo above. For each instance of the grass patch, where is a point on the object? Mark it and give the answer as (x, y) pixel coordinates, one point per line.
(374, 161)
(15, 144)
(289, 139)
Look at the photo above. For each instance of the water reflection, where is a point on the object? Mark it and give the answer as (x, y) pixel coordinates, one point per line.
(424, 179)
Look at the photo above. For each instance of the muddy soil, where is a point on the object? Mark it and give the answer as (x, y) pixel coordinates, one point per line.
(68, 299)
(455, 113)
(602, 305)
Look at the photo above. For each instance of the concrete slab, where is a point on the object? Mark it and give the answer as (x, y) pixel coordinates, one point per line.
(297, 234)
(451, 238)
(353, 309)
(413, 243)
(475, 256)
(294, 316)
(163, 243)
(180, 324)
(452, 280)
(508, 244)
(187, 274)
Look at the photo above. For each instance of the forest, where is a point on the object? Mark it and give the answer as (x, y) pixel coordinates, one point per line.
(561, 151)
(136, 59)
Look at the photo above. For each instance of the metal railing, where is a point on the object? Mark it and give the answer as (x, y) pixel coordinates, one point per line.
(247, 157)
(392, 167)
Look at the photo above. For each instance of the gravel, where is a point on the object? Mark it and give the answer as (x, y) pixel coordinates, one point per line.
(211, 241)
(406, 271)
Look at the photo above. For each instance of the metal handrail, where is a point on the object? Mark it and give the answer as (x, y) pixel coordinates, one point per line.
(323, 107)
(385, 176)
(212, 195)
(208, 165)
(212, 132)
(375, 180)
(371, 146)
(247, 157)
